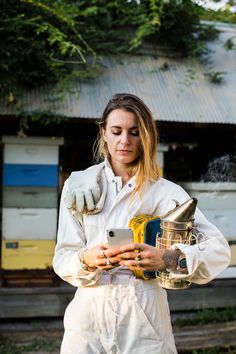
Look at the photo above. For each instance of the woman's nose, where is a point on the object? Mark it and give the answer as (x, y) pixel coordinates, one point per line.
(125, 139)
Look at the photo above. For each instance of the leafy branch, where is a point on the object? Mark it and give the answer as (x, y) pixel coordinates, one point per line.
(59, 41)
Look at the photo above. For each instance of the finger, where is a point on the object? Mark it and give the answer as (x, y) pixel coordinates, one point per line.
(131, 247)
(129, 255)
(115, 260)
(79, 198)
(89, 200)
(103, 259)
(113, 250)
(101, 254)
(96, 194)
(107, 267)
(141, 263)
(101, 262)
(138, 268)
(129, 263)
(69, 200)
(106, 262)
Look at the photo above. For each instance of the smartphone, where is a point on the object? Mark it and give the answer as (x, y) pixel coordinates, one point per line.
(118, 237)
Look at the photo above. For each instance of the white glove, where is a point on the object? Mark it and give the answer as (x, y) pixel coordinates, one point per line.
(83, 190)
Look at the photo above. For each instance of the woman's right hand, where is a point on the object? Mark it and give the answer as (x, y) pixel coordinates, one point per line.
(97, 257)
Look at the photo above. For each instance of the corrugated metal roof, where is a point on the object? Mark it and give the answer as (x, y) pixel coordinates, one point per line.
(181, 93)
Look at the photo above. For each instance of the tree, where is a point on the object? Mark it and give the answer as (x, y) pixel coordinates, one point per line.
(58, 41)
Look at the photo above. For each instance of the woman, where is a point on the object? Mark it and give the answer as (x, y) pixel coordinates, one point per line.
(113, 311)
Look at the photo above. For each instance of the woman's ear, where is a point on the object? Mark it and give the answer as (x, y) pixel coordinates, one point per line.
(104, 134)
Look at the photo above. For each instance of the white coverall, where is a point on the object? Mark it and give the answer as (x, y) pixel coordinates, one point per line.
(112, 311)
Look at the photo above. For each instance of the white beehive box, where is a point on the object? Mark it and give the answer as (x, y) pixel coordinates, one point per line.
(31, 154)
(218, 203)
(31, 150)
(29, 224)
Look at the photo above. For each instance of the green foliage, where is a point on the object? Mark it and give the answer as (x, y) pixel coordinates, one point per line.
(148, 20)
(216, 315)
(49, 344)
(45, 40)
(220, 15)
(59, 41)
(215, 77)
(230, 43)
(47, 118)
(39, 41)
(33, 344)
(210, 315)
(8, 347)
(176, 32)
(214, 351)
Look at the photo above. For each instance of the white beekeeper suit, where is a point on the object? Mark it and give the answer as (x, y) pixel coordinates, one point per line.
(112, 311)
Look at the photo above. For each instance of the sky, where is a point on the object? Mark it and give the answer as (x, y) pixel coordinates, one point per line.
(211, 4)
(216, 5)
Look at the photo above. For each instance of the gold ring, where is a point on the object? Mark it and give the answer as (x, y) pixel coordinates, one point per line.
(108, 261)
(139, 264)
(138, 257)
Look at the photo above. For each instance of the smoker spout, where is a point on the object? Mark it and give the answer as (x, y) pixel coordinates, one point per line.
(183, 212)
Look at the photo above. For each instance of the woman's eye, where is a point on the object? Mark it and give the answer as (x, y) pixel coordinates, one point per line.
(135, 133)
(132, 132)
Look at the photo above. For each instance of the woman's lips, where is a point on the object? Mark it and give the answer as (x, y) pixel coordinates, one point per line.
(124, 151)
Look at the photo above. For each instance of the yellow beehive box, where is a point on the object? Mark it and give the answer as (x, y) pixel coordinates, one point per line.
(27, 254)
(233, 254)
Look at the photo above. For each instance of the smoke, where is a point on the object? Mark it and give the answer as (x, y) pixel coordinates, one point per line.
(221, 169)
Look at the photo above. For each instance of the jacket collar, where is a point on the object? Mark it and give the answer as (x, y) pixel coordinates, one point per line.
(112, 178)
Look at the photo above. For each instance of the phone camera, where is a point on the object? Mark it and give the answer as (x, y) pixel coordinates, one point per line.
(111, 233)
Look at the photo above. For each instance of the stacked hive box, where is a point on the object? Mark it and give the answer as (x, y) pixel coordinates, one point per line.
(218, 202)
(30, 200)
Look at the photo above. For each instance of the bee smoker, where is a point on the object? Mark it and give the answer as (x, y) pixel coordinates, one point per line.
(176, 227)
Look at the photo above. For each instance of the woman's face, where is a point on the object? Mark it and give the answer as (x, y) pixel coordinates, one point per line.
(122, 137)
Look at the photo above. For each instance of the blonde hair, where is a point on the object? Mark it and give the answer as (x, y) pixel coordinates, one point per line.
(145, 167)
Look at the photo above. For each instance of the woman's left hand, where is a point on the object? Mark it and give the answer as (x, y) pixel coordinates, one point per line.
(141, 255)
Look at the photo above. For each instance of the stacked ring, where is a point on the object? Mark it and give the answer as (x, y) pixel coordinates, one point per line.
(138, 257)
(140, 264)
(106, 259)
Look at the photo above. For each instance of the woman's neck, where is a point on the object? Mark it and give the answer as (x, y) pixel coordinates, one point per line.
(123, 171)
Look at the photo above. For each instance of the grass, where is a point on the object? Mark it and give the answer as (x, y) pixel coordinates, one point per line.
(211, 315)
(213, 351)
(49, 343)
(34, 344)
(52, 345)
(8, 347)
